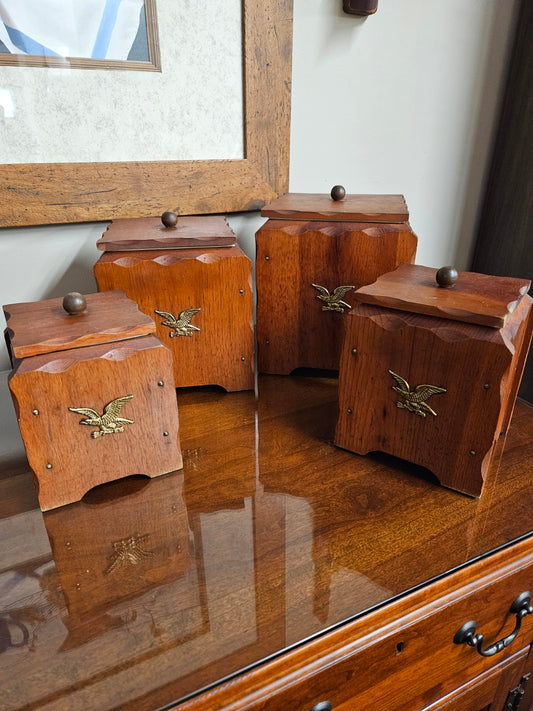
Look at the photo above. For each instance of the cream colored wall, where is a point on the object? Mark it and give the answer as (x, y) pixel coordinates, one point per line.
(403, 101)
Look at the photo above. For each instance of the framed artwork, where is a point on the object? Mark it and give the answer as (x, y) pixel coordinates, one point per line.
(86, 34)
(204, 130)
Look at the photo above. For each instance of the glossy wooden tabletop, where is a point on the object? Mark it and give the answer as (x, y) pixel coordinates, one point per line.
(148, 591)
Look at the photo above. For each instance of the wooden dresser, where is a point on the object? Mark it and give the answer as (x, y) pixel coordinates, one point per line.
(275, 572)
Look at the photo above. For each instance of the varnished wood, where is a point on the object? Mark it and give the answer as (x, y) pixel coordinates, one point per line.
(292, 328)
(527, 699)
(89, 567)
(338, 192)
(307, 566)
(489, 691)
(65, 458)
(218, 282)
(360, 7)
(353, 208)
(479, 368)
(474, 298)
(360, 665)
(151, 233)
(74, 303)
(77, 192)
(169, 218)
(446, 276)
(41, 327)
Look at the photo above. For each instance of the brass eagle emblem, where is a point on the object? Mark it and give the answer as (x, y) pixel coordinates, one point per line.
(109, 422)
(415, 400)
(128, 551)
(333, 302)
(180, 326)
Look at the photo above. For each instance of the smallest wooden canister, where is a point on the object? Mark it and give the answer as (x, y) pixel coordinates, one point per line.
(430, 373)
(94, 394)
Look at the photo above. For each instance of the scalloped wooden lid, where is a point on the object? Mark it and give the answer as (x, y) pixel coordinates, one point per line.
(353, 208)
(148, 233)
(45, 327)
(474, 298)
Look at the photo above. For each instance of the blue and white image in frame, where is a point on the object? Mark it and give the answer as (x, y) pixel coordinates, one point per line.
(113, 30)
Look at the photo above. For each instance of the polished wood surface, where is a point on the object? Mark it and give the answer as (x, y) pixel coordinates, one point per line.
(216, 281)
(293, 329)
(44, 193)
(67, 457)
(474, 298)
(150, 233)
(462, 378)
(352, 208)
(42, 327)
(270, 536)
(399, 657)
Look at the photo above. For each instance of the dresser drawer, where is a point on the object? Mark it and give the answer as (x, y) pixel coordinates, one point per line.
(503, 683)
(400, 657)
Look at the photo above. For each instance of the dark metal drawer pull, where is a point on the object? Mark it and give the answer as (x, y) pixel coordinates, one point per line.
(322, 706)
(467, 633)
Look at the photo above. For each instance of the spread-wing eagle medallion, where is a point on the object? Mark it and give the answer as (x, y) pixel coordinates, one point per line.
(333, 302)
(180, 326)
(415, 400)
(109, 422)
(128, 551)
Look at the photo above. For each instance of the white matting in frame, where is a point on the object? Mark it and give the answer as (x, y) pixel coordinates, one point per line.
(192, 109)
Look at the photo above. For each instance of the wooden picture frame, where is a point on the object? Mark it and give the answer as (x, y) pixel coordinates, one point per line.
(54, 193)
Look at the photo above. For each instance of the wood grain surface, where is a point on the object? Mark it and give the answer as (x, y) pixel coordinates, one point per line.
(474, 298)
(64, 456)
(293, 330)
(216, 281)
(479, 368)
(312, 573)
(41, 327)
(353, 208)
(150, 233)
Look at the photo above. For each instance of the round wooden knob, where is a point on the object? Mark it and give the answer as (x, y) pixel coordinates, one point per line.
(338, 192)
(169, 218)
(74, 303)
(446, 276)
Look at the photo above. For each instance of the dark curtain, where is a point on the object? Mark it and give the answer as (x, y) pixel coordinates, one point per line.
(504, 244)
